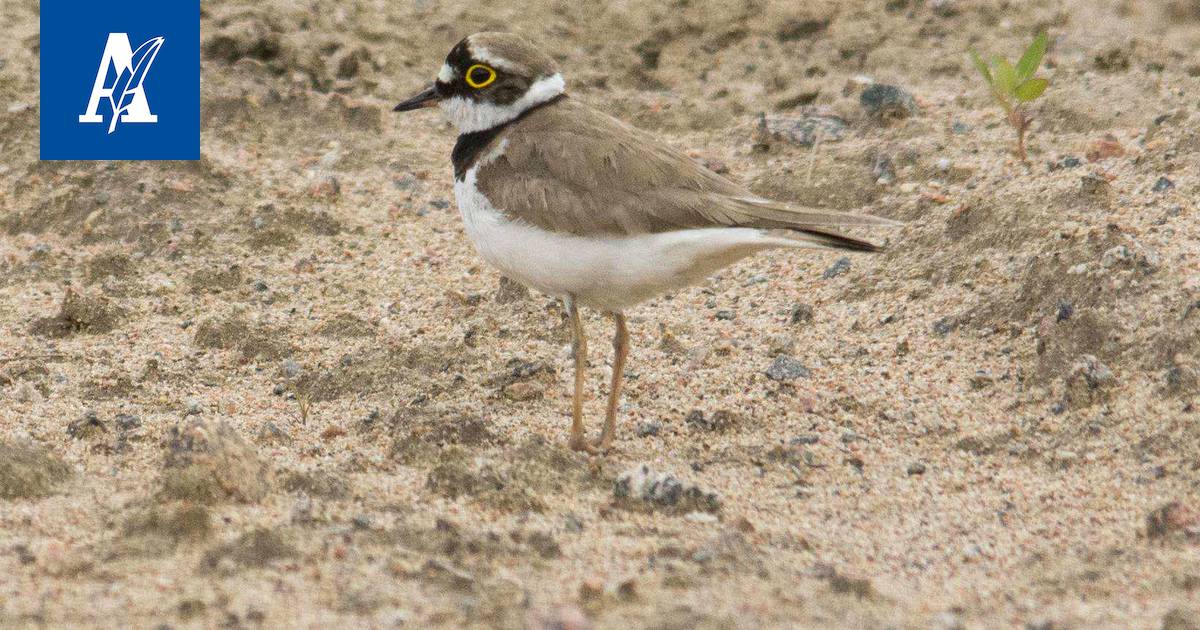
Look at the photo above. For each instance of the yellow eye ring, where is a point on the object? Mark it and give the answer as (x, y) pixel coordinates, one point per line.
(479, 84)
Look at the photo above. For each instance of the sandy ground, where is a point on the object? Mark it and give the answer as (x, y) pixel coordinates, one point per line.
(277, 388)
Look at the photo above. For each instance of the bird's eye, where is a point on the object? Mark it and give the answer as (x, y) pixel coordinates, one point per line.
(480, 76)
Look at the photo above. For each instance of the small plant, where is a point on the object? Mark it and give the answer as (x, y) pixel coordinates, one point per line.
(1015, 87)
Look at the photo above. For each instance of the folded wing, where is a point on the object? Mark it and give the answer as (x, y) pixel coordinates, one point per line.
(570, 169)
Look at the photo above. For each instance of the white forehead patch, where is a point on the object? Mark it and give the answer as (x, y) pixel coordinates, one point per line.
(446, 74)
(482, 54)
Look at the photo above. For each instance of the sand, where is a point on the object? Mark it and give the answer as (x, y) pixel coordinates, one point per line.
(276, 387)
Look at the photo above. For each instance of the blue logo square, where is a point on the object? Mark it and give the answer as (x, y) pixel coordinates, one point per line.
(120, 80)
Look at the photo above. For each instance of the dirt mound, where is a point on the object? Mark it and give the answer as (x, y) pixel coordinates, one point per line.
(208, 461)
(29, 471)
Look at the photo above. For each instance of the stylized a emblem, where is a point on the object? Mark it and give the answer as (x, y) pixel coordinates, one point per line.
(125, 95)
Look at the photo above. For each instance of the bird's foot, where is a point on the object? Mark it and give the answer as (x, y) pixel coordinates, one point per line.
(603, 444)
(580, 443)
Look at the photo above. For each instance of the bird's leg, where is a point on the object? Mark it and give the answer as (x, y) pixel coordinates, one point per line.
(579, 349)
(620, 353)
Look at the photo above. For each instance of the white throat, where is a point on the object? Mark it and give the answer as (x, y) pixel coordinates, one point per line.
(470, 116)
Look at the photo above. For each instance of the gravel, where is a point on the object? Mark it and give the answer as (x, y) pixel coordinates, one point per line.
(659, 490)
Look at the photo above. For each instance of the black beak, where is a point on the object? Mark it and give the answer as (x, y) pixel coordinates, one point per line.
(425, 98)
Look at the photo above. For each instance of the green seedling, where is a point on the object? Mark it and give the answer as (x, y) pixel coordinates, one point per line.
(1015, 87)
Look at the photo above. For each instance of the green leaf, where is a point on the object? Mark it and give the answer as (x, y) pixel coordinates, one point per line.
(982, 67)
(1032, 58)
(1005, 74)
(1031, 89)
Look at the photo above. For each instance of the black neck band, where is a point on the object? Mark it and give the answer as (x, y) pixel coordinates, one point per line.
(470, 145)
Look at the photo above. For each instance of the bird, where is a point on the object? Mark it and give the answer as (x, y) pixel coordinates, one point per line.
(581, 206)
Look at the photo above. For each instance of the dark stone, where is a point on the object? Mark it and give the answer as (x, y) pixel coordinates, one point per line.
(801, 313)
(1067, 162)
(86, 427)
(647, 429)
(126, 422)
(839, 267)
(785, 368)
(945, 326)
(887, 102)
(803, 130)
(720, 420)
(1065, 311)
(1163, 185)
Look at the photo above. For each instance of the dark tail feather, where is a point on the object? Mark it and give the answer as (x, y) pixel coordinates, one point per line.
(827, 239)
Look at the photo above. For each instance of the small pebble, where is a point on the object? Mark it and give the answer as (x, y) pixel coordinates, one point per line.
(916, 468)
(87, 426)
(887, 102)
(270, 433)
(785, 368)
(126, 422)
(944, 326)
(1065, 311)
(839, 267)
(804, 130)
(647, 429)
(1163, 185)
(1067, 162)
(290, 368)
(801, 313)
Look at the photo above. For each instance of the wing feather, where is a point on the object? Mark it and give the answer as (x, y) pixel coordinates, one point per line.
(568, 168)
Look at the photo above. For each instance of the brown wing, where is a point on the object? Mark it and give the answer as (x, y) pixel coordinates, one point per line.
(569, 168)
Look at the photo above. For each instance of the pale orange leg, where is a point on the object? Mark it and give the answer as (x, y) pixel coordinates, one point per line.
(620, 353)
(579, 349)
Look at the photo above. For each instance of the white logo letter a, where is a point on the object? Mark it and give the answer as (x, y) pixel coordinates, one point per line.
(119, 54)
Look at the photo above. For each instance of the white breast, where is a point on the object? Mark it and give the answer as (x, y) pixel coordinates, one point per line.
(605, 272)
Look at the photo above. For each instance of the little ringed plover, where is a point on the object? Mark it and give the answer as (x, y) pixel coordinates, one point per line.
(579, 205)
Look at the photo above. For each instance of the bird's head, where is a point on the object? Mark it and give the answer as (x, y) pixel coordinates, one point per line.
(489, 79)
